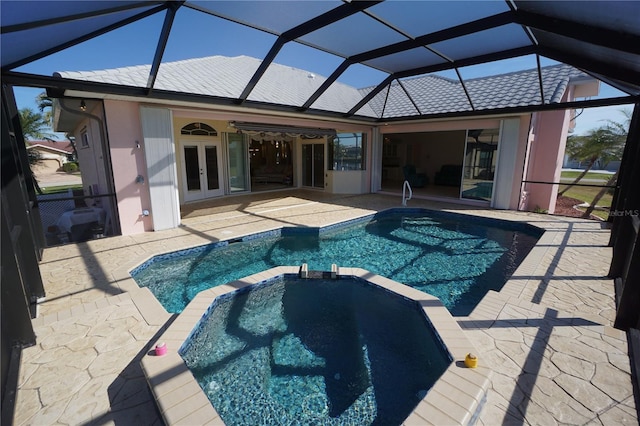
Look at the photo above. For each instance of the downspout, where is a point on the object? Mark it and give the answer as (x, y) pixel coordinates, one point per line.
(106, 159)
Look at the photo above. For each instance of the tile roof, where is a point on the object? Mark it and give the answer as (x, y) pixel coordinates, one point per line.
(227, 77)
(430, 94)
(434, 94)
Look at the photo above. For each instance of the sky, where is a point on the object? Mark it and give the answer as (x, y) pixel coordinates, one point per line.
(135, 44)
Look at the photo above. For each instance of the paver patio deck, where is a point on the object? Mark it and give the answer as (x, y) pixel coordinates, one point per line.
(547, 334)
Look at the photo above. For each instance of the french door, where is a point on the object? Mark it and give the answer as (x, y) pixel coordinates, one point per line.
(313, 165)
(201, 171)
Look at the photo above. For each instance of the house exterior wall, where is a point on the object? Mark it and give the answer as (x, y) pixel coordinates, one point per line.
(124, 130)
(347, 182)
(546, 155)
(89, 153)
(48, 162)
(46, 154)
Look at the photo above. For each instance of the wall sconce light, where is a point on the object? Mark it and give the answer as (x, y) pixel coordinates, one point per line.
(83, 105)
(138, 144)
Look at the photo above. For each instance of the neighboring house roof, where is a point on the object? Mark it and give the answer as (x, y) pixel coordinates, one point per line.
(434, 94)
(227, 77)
(431, 94)
(63, 147)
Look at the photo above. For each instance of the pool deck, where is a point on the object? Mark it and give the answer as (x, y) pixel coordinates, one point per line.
(547, 335)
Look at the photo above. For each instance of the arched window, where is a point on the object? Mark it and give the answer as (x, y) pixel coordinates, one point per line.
(198, 129)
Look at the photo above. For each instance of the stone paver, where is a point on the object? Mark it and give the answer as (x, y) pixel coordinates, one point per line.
(547, 335)
(83, 370)
(565, 375)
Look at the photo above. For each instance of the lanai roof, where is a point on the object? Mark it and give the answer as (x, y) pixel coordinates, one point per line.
(402, 39)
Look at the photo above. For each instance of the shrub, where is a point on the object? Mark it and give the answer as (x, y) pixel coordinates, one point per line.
(70, 167)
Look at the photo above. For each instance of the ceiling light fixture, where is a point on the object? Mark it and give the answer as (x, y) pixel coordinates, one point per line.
(83, 105)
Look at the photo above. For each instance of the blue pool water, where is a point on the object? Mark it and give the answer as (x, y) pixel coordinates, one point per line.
(457, 258)
(313, 351)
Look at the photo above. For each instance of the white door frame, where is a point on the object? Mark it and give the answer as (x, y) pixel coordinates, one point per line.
(203, 192)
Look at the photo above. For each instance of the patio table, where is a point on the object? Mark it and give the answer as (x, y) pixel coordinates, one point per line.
(79, 217)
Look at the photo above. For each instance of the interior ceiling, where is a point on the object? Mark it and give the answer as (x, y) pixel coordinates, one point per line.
(400, 38)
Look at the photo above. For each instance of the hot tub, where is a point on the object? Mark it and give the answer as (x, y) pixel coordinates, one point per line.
(355, 348)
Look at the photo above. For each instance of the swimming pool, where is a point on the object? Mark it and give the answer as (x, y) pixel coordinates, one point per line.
(315, 351)
(455, 257)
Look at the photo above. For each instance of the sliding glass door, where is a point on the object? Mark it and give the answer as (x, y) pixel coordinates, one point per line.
(238, 163)
(480, 158)
(313, 165)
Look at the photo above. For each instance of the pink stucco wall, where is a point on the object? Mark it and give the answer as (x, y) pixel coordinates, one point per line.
(123, 123)
(545, 156)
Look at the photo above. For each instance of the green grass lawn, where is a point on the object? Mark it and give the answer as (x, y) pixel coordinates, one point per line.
(590, 175)
(56, 189)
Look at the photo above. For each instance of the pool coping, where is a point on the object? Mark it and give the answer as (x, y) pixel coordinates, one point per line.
(457, 397)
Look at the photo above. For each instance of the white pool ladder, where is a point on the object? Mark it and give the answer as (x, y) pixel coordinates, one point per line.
(406, 186)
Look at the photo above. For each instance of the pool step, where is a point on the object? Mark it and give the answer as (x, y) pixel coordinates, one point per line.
(306, 273)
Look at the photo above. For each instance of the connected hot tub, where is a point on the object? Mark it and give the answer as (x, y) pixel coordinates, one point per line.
(290, 347)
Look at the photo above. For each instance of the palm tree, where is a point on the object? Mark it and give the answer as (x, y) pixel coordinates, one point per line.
(45, 105)
(621, 130)
(612, 181)
(34, 125)
(604, 144)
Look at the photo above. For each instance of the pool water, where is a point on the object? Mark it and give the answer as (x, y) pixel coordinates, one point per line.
(315, 351)
(457, 258)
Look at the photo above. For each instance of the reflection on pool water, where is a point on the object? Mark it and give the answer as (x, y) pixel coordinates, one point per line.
(455, 257)
(315, 351)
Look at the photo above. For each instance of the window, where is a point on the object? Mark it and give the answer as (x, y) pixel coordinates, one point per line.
(198, 129)
(347, 151)
(84, 138)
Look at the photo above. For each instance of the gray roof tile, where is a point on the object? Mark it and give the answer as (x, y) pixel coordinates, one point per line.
(437, 95)
(228, 76)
